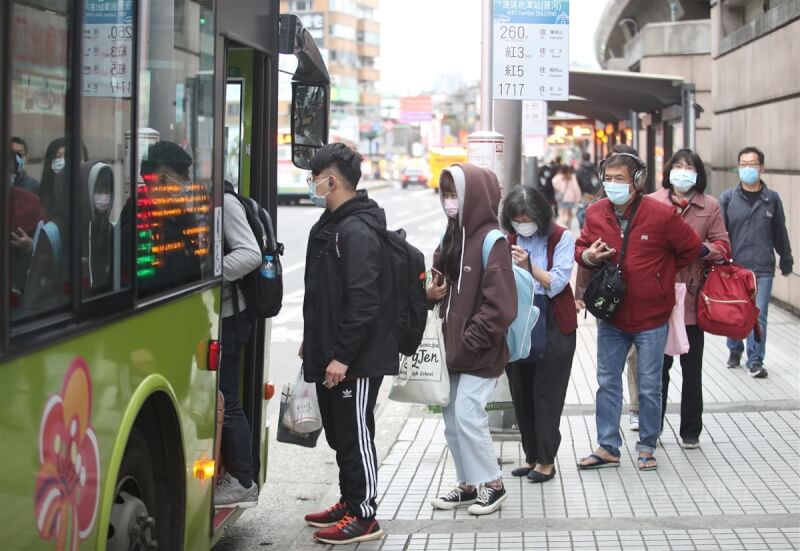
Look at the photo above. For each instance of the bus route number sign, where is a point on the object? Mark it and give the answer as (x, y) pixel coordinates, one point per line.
(531, 50)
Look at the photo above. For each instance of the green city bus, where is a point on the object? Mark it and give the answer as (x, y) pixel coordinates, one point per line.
(111, 270)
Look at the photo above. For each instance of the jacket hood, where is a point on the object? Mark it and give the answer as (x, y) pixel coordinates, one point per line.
(91, 174)
(478, 191)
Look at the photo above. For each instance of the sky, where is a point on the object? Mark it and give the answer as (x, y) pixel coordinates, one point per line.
(423, 39)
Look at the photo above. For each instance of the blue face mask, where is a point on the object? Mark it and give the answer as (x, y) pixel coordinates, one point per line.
(619, 194)
(318, 200)
(748, 175)
(20, 162)
(682, 180)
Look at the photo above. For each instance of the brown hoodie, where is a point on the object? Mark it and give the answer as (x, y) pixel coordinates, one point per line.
(482, 304)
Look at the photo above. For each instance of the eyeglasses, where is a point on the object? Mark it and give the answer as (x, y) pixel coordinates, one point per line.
(310, 180)
(752, 164)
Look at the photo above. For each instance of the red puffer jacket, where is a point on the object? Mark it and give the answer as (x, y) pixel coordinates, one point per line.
(660, 243)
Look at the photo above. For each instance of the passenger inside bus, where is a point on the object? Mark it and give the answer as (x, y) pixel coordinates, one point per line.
(98, 231)
(25, 212)
(46, 282)
(167, 205)
(23, 180)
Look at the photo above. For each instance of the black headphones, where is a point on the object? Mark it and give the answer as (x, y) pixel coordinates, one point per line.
(639, 177)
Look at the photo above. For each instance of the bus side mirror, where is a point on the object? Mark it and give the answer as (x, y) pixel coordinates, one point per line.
(310, 106)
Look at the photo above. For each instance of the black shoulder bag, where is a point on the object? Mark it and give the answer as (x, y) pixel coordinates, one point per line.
(606, 290)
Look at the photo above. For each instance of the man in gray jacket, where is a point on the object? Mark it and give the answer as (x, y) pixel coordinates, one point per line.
(242, 255)
(757, 227)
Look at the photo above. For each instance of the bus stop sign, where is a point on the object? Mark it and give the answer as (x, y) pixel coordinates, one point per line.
(530, 47)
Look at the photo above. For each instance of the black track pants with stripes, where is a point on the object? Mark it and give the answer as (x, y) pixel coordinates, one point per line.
(349, 422)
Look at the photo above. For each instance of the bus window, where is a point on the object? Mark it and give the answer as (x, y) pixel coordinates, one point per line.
(105, 179)
(174, 193)
(40, 221)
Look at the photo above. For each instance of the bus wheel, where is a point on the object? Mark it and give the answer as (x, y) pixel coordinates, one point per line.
(133, 525)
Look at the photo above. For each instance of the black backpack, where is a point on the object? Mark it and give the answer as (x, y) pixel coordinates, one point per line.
(263, 287)
(408, 289)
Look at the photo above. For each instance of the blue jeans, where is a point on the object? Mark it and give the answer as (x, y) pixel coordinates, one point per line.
(756, 350)
(466, 429)
(612, 349)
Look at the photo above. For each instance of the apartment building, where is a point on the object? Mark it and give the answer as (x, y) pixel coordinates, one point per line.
(349, 34)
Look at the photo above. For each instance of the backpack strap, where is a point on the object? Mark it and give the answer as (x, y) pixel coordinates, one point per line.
(552, 242)
(488, 243)
(724, 203)
(627, 232)
(54, 236)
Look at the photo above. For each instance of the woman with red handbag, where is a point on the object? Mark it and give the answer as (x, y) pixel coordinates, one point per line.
(684, 185)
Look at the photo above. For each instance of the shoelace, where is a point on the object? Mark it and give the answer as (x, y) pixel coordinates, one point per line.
(455, 494)
(485, 494)
(347, 519)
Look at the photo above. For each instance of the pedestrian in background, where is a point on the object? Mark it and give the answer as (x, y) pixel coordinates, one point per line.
(568, 193)
(756, 224)
(348, 336)
(479, 304)
(684, 184)
(660, 243)
(582, 279)
(539, 385)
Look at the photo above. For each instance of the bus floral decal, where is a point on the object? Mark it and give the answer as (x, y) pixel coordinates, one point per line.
(67, 487)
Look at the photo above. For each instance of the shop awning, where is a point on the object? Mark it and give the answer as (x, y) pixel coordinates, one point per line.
(609, 96)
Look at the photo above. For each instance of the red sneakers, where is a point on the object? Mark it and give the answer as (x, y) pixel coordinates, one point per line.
(328, 517)
(350, 530)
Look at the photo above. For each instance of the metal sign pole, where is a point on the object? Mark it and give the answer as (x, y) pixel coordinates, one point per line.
(487, 53)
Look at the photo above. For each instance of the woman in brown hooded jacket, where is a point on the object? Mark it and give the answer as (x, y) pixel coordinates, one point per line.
(479, 303)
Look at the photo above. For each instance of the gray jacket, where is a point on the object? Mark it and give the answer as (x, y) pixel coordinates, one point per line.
(757, 232)
(243, 254)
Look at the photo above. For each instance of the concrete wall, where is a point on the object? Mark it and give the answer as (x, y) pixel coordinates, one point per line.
(756, 101)
(696, 69)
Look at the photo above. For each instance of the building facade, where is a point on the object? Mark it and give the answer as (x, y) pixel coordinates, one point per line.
(742, 56)
(349, 33)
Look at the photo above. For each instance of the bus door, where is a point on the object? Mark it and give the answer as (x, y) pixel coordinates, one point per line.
(249, 152)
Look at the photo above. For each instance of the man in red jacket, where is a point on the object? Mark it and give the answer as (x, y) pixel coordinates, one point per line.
(660, 243)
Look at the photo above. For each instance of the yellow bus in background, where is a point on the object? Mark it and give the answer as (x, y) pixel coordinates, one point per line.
(440, 158)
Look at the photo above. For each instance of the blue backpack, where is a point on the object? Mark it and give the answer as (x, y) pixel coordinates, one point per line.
(518, 336)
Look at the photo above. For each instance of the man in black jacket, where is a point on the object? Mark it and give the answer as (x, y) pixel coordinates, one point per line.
(348, 335)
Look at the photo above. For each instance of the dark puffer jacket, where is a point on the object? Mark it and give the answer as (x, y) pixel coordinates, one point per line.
(348, 309)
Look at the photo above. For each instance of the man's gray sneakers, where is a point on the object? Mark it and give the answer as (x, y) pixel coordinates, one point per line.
(230, 493)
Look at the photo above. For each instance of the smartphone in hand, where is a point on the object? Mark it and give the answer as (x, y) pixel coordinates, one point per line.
(437, 276)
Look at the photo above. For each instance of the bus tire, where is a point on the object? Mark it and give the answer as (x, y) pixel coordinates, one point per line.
(139, 519)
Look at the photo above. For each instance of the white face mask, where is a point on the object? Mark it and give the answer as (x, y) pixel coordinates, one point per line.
(682, 180)
(451, 207)
(525, 229)
(102, 202)
(58, 165)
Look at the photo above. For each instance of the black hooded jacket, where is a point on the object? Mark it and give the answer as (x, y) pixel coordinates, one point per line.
(348, 309)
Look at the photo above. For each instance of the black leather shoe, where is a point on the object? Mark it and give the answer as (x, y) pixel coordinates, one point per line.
(521, 471)
(537, 477)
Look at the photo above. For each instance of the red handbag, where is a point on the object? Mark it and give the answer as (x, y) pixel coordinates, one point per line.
(726, 305)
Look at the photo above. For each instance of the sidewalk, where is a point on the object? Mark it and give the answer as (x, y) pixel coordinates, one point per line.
(740, 490)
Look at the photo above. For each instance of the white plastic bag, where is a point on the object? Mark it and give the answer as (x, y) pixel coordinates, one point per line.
(423, 377)
(677, 339)
(302, 414)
